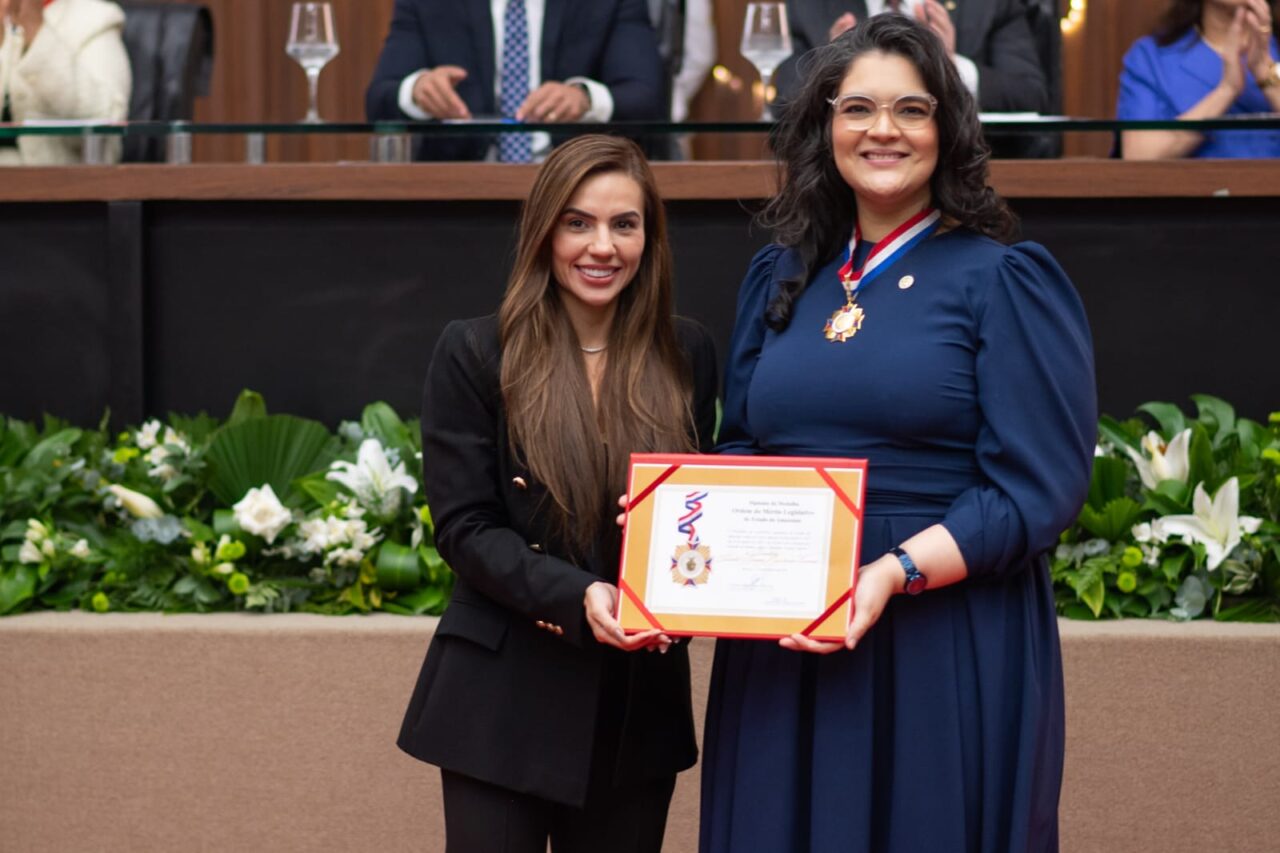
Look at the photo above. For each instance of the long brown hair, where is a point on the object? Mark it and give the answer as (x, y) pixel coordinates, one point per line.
(578, 448)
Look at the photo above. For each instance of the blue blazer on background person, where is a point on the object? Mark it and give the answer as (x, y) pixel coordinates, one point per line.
(1162, 83)
(610, 41)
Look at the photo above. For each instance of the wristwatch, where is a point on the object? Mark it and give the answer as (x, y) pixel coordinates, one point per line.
(1272, 79)
(916, 581)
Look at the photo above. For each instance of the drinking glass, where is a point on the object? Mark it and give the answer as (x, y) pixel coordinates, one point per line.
(312, 43)
(766, 42)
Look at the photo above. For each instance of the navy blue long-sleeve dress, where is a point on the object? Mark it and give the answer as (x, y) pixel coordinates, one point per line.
(970, 390)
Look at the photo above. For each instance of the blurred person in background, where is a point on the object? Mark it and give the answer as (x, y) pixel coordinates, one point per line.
(989, 41)
(61, 60)
(528, 60)
(1207, 59)
(699, 56)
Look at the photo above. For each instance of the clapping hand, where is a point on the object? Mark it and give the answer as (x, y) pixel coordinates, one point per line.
(842, 25)
(932, 14)
(1256, 26)
(1233, 52)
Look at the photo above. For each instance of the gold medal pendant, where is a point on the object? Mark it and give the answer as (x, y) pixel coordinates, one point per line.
(845, 323)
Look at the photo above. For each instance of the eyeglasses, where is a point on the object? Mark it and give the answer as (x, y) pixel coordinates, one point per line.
(860, 112)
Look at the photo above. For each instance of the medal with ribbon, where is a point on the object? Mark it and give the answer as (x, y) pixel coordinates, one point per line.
(846, 321)
(691, 562)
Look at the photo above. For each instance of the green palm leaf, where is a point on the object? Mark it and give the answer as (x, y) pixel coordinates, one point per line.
(275, 449)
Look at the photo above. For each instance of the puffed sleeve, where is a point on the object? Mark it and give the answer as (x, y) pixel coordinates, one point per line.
(1039, 415)
(460, 447)
(1142, 95)
(736, 437)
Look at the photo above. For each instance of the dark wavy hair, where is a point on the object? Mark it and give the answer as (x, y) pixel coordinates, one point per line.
(1180, 17)
(814, 210)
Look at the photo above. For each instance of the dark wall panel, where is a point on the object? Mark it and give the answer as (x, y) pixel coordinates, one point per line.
(55, 302)
(325, 306)
(1181, 295)
(321, 307)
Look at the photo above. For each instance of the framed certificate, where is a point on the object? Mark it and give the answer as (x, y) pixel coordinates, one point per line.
(741, 546)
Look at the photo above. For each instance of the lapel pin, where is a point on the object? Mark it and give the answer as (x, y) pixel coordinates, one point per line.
(906, 281)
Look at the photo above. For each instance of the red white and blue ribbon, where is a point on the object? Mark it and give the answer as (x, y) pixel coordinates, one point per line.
(693, 512)
(896, 244)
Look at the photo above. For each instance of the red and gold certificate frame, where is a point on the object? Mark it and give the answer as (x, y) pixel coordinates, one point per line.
(741, 546)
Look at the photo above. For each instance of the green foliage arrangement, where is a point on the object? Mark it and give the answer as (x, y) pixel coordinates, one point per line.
(1182, 521)
(275, 513)
(262, 512)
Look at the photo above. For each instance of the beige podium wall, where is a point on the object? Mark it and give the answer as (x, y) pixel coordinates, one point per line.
(240, 732)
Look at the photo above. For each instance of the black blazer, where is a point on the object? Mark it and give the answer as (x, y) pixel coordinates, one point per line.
(611, 41)
(499, 698)
(995, 34)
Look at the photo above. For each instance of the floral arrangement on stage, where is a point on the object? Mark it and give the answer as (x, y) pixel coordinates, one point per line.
(1182, 521)
(262, 512)
(274, 513)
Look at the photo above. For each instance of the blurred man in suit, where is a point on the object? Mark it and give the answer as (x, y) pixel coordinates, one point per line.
(529, 60)
(989, 41)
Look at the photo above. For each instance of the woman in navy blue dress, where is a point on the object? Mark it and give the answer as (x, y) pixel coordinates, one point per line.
(962, 369)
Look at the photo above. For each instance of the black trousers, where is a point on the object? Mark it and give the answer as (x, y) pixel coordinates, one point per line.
(484, 818)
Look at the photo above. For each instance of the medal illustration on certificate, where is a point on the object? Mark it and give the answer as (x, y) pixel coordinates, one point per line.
(691, 562)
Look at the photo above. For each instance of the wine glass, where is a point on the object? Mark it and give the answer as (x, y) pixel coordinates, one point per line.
(312, 43)
(766, 42)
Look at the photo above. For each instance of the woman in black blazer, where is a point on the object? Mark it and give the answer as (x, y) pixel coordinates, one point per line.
(545, 719)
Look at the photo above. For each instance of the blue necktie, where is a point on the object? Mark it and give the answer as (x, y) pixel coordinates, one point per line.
(514, 147)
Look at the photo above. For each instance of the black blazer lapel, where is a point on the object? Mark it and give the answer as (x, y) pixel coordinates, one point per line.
(480, 23)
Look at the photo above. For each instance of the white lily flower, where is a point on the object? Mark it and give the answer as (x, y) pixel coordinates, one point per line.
(36, 531)
(372, 479)
(177, 439)
(1214, 524)
(29, 553)
(1167, 462)
(148, 435)
(165, 472)
(260, 512)
(345, 557)
(1094, 547)
(80, 550)
(315, 535)
(1249, 524)
(136, 503)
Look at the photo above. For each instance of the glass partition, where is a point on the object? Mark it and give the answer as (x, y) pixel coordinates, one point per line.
(1012, 135)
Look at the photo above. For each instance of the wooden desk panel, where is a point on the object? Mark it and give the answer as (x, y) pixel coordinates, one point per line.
(1065, 179)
